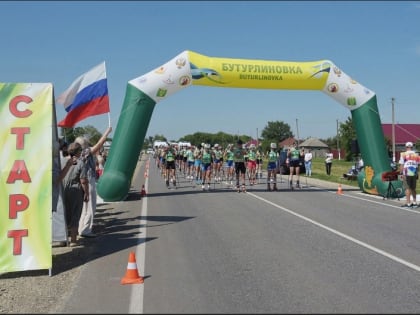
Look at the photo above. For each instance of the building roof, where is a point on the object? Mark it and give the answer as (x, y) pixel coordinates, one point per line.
(313, 143)
(287, 142)
(403, 132)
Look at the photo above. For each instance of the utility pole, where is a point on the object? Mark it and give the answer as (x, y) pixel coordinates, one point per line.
(338, 143)
(297, 132)
(393, 130)
(257, 139)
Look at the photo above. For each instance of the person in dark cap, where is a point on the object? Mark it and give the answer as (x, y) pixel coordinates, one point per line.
(239, 154)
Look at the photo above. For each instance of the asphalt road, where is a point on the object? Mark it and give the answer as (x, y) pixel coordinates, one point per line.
(219, 251)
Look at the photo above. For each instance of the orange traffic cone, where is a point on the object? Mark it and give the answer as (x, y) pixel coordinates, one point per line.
(143, 191)
(132, 275)
(339, 190)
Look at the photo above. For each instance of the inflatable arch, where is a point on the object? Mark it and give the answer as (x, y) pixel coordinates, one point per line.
(191, 68)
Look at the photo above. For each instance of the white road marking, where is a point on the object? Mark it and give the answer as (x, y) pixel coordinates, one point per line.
(352, 239)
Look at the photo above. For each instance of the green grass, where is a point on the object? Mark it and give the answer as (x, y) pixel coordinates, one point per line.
(338, 168)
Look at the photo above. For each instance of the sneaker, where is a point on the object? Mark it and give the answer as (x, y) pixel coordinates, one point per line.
(202, 187)
(406, 206)
(208, 186)
(414, 205)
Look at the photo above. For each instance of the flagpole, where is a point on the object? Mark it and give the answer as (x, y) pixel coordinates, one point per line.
(109, 119)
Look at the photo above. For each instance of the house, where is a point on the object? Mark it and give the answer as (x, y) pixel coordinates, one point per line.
(287, 143)
(403, 134)
(317, 147)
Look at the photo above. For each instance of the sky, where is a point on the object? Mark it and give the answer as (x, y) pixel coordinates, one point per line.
(377, 43)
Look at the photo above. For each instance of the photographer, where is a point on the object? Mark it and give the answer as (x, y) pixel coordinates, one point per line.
(409, 171)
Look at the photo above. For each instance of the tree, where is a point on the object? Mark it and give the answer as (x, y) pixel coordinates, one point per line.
(220, 138)
(276, 131)
(347, 136)
(90, 132)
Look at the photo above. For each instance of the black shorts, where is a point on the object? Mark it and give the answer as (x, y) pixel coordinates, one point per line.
(294, 163)
(240, 168)
(410, 182)
(170, 165)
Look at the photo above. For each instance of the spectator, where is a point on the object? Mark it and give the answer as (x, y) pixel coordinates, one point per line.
(63, 147)
(76, 190)
(409, 170)
(89, 208)
(100, 163)
(328, 162)
(308, 163)
(360, 164)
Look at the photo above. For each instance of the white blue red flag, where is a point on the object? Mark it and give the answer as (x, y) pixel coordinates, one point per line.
(87, 96)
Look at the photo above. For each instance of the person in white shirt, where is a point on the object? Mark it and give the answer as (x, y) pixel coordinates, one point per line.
(328, 162)
(308, 163)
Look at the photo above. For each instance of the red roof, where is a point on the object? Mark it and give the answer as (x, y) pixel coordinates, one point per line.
(287, 142)
(403, 132)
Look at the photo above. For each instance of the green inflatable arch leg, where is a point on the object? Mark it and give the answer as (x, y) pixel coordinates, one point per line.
(367, 124)
(127, 142)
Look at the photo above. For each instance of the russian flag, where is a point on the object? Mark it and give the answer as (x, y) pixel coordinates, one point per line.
(87, 96)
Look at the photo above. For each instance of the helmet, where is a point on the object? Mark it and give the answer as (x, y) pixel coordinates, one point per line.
(207, 146)
(252, 146)
(216, 145)
(409, 144)
(273, 145)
